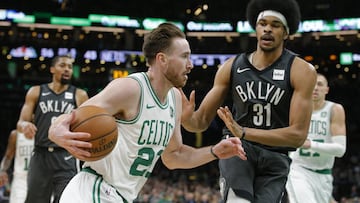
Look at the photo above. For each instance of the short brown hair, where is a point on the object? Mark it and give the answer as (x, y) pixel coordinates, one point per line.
(160, 39)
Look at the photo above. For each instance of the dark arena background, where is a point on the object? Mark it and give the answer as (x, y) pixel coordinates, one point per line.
(105, 38)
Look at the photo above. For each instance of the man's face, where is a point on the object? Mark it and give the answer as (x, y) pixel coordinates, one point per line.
(178, 63)
(270, 32)
(321, 88)
(63, 70)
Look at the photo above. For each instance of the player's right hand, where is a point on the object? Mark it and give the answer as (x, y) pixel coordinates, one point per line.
(29, 129)
(3, 178)
(59, 132)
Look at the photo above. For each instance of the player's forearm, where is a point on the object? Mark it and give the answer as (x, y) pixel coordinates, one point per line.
(282, 137)
(197, 123)
(336, 148)
(187, 157)
(5, 164)
(194, 125)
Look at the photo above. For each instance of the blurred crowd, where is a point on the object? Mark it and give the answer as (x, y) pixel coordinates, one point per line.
(200, 185)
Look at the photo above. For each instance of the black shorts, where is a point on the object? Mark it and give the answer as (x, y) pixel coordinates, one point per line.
(260, 179)
(50, 170)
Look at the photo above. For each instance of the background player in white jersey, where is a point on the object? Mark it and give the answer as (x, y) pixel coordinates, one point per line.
(310, 178)
(19, 149)
(147, 107)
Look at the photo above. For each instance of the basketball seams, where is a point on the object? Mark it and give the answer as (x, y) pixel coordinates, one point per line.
(87, 119)
(104, 135)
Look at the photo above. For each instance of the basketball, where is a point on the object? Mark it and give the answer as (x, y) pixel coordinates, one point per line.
(102, 127)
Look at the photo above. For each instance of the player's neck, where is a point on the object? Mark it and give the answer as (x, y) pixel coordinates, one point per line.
(58, 87)
(159, 85)
(318, 104)
(261, 59)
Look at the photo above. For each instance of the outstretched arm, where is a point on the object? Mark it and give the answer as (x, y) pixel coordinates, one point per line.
(300, 110)
(25, 124)
(178, 155)
(199, 120)
(337, 146)
(116, 104)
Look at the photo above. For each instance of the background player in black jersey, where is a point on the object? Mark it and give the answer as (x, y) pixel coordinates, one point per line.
(271, 90)
(51, 167)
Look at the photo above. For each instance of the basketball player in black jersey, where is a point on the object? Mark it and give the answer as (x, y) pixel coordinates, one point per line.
(51, 167)
(271, 90)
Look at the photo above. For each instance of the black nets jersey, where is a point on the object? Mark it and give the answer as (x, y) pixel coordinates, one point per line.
(261, 98)
(51, 105)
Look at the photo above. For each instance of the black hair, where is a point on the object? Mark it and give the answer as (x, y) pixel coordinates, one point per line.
(289, 8)
(57, 58)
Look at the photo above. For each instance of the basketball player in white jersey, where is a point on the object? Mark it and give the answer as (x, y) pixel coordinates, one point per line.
(21, 148)
(147, 107)
(310, 178)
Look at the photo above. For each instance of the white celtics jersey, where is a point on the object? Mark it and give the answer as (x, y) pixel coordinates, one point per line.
(24, 148)
(319, 131)
(140, 142)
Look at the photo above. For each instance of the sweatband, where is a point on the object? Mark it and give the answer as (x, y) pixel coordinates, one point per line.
(276, 14)
(337, 147)
(212, 152)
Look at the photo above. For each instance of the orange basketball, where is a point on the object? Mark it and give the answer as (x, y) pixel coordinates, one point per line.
(102, 127)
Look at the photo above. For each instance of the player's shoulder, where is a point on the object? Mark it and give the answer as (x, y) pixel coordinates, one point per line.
(13, 133)
(300, 67)
(337, 107)
(80, 91)
(301, 63)
(33, 92)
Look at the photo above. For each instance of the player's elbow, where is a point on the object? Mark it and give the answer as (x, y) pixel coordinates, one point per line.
(340, 152)
(168, 163)
(299, 140)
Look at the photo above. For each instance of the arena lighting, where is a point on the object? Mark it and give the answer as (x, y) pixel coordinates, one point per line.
(103, 29)
(5, 23)
(70, 21)
(46, 26)
(309, 58)
(212, 34)
(344, 32)
(346, 58)
(332, 57)
(25, 19)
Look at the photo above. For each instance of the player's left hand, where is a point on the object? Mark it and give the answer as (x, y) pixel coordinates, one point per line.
(228, 148)
(188, 106)
(225, 114)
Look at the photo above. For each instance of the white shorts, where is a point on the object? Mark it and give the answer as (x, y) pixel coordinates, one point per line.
(87, 187)
(18, 189)
(304, 185)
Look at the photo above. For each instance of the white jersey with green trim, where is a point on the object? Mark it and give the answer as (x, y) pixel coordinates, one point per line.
(24, 148)
(319, 131)
(140, 142)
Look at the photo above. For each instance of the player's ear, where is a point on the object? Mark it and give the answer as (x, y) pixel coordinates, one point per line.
(162, 57)
(52, 69)
(286, 35)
